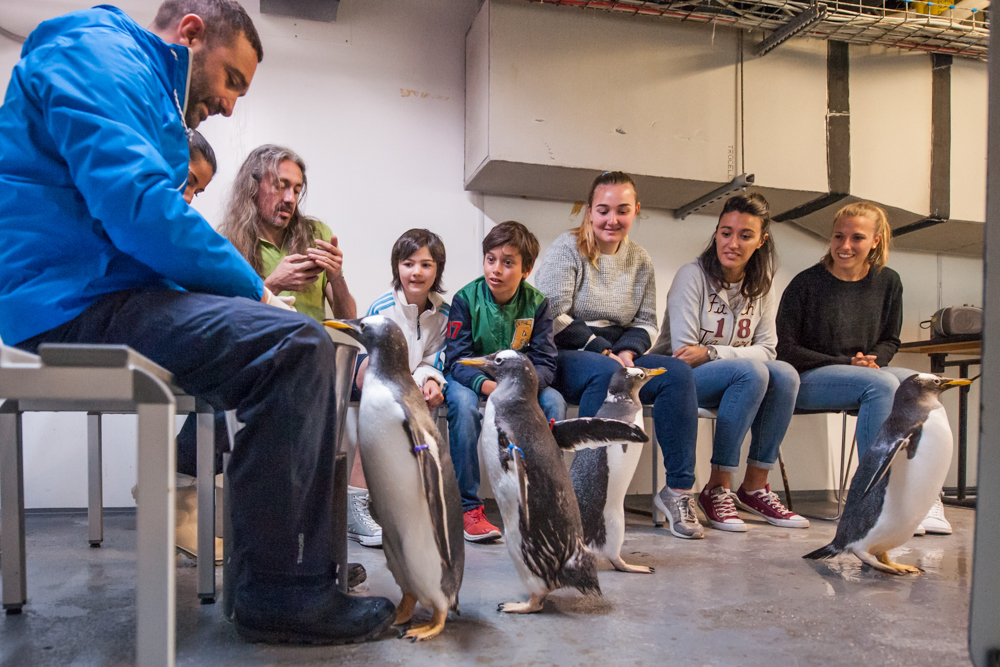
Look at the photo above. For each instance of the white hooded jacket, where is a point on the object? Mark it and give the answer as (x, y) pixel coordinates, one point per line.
(425, 332)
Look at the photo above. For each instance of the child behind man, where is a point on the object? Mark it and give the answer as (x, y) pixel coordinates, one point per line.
(498, 311)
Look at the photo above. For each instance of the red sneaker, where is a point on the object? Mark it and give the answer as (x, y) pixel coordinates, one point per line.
(719, 509)
(765, 504)
(477, 528)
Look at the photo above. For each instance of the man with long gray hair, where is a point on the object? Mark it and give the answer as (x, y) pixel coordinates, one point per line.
(100, 247)
(295, 255)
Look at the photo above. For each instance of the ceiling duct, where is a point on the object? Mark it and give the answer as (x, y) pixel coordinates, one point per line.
(310, 10)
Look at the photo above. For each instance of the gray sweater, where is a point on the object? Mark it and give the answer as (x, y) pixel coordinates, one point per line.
(699, 313)
(611, 307)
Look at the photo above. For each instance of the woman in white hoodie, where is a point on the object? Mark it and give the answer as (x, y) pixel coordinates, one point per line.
(720, 319)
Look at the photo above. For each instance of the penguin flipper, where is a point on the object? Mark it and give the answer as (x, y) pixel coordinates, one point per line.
(887, 460)
(591, 433)
(433, 483)
(513, 455)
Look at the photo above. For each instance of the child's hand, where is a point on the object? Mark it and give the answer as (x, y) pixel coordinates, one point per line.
(432, 393)
(488, 388)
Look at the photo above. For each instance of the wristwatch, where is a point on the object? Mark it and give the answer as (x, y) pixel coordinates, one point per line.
(713, 354)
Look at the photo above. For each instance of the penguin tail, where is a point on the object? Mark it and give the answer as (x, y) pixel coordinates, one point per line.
(581, 573)
(823, 553)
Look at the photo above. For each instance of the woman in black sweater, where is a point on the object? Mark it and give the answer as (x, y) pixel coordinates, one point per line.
(838, 325)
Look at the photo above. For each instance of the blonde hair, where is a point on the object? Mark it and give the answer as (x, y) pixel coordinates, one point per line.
(879, 255)
(586, 242)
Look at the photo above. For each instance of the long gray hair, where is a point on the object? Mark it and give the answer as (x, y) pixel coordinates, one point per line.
(242, 219)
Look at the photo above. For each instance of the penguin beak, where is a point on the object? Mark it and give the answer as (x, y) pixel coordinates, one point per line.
(484, 363)
(955, 383)
(350, 327)
(655, 371)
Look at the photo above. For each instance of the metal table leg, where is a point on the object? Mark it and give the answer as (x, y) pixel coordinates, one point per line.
(155, 526)
(95, 480)
(206, 501)
(15, 592)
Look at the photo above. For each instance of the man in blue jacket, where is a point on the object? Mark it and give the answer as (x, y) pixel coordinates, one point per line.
(99, 246)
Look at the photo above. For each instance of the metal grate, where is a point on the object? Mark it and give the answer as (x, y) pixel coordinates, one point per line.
(960, 29)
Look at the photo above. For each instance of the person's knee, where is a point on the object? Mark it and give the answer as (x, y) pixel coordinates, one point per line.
(679, 375)
(553, 404)
(754, 374)
(881, 385)
(784, 378)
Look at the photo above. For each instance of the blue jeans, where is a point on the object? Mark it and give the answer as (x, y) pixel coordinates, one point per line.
(870, 391)
(583, 377)
(465, 423)
(276, 369)
(753, 395)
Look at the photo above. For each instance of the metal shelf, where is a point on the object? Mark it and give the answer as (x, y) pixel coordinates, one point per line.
(960, 29)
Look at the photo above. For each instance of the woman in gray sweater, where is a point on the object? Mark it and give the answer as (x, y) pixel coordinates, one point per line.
(720, 320)
(602, 293)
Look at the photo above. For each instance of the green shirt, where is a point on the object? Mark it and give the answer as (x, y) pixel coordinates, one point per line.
(310, 300)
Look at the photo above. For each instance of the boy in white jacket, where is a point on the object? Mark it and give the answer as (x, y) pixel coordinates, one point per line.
(415, 304)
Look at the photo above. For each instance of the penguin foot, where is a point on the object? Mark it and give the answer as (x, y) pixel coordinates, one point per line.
(898, 567)
(622, 566)
(419, 633)
(404, 610)
(530, 607)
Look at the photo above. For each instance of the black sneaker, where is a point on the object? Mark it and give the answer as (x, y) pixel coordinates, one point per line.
(310, 614)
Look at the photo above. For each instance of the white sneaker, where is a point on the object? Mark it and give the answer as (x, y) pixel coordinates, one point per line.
(361, 527)
(935, 523)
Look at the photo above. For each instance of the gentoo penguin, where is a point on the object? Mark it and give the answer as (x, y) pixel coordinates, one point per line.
(898, 478)
(410, 478)
(601, 476)
(533, 488)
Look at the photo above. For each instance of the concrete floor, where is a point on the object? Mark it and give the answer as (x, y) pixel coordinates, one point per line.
(746, 599)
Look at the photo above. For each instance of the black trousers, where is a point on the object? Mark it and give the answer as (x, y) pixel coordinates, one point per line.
(276, 369)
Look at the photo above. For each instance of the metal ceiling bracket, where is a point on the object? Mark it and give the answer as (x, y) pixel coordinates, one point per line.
(741, 182)
(799, 24)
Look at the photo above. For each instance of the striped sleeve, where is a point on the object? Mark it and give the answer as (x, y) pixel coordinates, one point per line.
(382, 303)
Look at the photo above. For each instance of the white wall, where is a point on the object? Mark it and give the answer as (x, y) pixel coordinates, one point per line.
(381, 160)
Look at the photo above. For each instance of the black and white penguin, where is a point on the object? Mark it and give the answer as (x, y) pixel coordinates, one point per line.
(532, 486)
(601, 476)
(411, 478)
(898, 478)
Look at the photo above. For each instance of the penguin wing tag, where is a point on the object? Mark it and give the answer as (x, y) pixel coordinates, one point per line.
(883, 468)
(432, 482)
(593, 433)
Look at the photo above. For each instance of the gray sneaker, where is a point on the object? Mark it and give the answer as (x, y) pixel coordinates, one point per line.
(361, 527)
(680, 512)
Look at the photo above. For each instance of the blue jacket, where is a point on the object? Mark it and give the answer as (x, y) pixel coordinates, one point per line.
(93, 165)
